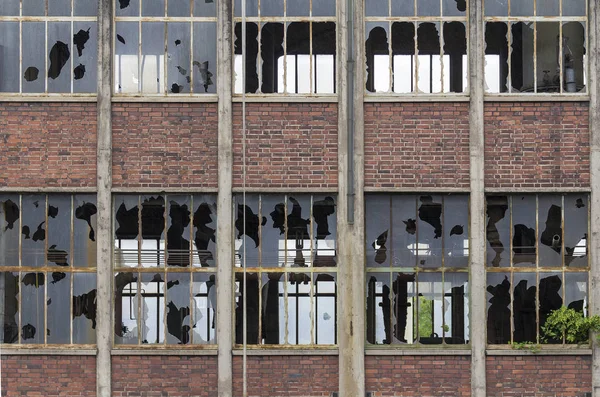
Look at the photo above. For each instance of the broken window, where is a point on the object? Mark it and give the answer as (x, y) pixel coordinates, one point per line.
(417, 269)
(297, 47)
(417, 47)
(537, 49)
(48, 47)
(537, 261)
(164, 255)
(165, 48)
(48, 269)
(287, 244)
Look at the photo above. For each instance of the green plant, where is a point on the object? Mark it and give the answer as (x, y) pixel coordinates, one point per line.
(532, 347)
(571, 324)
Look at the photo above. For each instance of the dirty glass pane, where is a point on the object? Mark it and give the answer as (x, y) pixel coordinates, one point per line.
(549, 8)
(127, 8)
(404, 308)
(126, 231)
(126, 57)
(455, 62)
(524, 307)
(429, 231)
(86, 7)
(34, 7)
(9, 61)
(496, 8)
(247, 238)
(404, 236)
(574, 56)
(59, 230)
(430, 310)
(403, 8)
(379, 309)
(496, 57)
(34, 57)
(179, 321)
(252, 308)
(498, 308)
(498, 231)
(324, 231)
(59, 56)
(271, 8)
(524, 233)
(548, 72)
(9, 317)
(153, 228)
(273, 233)
(456, 308)
(377, 8)
(272, 309)
(85, 38)
(153, 57)
(298, 8)
(428, 8)
(456, 231)
(152, 308)
(33, 303)
(178, 231)
(574, 8)
(59, 7)
(454, 8)
(576, 292)
(204, 231)
(154, 8)
(521, 8)
(179, 8)
(84, 308)
(126, 308)
(179, 76)
(378, 58)
(33, 239)
(84, 230)
(299, 327)
(9, 229)
(204, 290)
(9, 8)
(522, 57)
(378, 232)
(323, 8)
(429, 66)
(251, 8)
(59, 307)
(550, 297)
(205, 57)
(551, 230)
(207, 8)
(324, 309)
(576, 230)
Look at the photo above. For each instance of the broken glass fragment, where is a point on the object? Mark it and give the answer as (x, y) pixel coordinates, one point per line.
(205, 234)
(524, 308)
(59, 308)
(498, 315)
(179, 322)
(80, 38)
(84, 308)
(120, 38)
(59, 55)
(178, 247)
(31, 73)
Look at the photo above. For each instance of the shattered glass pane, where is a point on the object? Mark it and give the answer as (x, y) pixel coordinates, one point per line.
(378, 59)
(128, 8)
(33, 240)
(271, 41)
(551, 230)
(379, 309)
(377, 8)
(548, 69)
(576, 230)
(403, 49)
(324, 50)
(204, 303)
(273, 309)
(404, 308)
(498, 308)
(454, 60)
(153, 231)
(85, 37)
(378, 231)
(522, 57)
(207, 8)
(247, 238)
(179, 71)
(33, 304)
(204, 231)
(430, 312)
(205, 57)
(154, 8)
(34, 8)
(126, 58)
(126, 308)
(9, 61)
(59, 56)
(576, 292)
(324, 309)
(153, 58)
(251, 58)
(152, 308)
(126, 231)
(9, 306)
(273, 233)
(34, 66)
(454, 8)
(84, 230)
(179, 231)
(496, 8)
(524, 308)
(252, 308)
(429, 62)
(84, 308)
(59, 307)
(296, 242)
(179, 321)
(496, 57)
(299, 326)
(59, 230)
(456, 308)
(498, 231)
(574, 55)
(456, 231)
(324, 231)
(404, 238)
(429, 231)
(550, 297)
(179, 8)
(10, 229)
(524, 230)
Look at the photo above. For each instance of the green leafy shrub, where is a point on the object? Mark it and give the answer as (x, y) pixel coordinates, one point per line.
(570, 323)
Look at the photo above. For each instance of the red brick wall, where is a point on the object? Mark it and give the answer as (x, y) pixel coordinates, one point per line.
(165, 145)
(417, 145)
(288, 145)
(48, 144)
(49, 376)
(417, 376)
(274, 376)
(164, 376)
(537, 145)
(538, 376)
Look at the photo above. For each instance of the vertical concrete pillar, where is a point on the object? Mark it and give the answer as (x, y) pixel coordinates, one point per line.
(477, 215)
(350, 214)
(104, 238)
(224, 202)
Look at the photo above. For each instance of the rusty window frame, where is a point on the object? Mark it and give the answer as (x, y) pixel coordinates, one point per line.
(20, 269)
(260, 21)
(46, 19)
(534, 20)
(194, 70)
(512, 272)
(416, 20)
(261, 272)
(153, 262)
(416, 269)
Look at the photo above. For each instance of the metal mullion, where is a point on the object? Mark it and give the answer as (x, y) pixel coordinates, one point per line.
(165, 75)
(537, 266)
(46, 58)
(391, 235)
(20, 302)
(286, 274)
(390, 57)
(139, 236)
(509, 39)
(416, 68)
(560, 53)
(138, 298)
(72, 290)
(562, 237)
(260, 308)
(417, 305)
(416, 265)
(313, 305)
(140, 76)
(45, 276)
(20, 48)
(512, 310)
(72, 47)
(534, 52)
(285, 74)
(312, 64)
(510, 233)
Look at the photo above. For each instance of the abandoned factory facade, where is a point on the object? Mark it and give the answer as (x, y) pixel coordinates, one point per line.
(298, 198)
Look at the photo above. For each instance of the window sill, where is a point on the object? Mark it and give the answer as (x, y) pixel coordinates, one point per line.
(445, 97)
(519, 97)
(196, 350)
(392, 350)
(30, 350)
(6, 97)
(566, 350)
(282, 98)
(202, 98)
(287, 351)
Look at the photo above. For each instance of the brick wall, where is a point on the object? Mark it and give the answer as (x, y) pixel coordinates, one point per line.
(417, 145)
(274, 376)
(537, 145)
(418, 376)
(48, 376)
(288, 145)
(164, 376)
(539, 376)
(48, 144)
(165, 145)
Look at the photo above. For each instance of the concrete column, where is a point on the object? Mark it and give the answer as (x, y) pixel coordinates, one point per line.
(350, 215)
(104, 237)
(225, 327)
(594, 90)
(477, 211)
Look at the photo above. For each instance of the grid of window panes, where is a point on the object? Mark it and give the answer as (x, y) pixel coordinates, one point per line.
(286, 247)
(417, 257)
(416, 46)
(290, 46)
(164, 263)
(48, 269)
(165, 47)
(535, 46)
(537, 262)
(48, 47)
